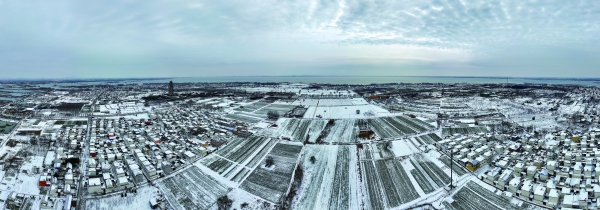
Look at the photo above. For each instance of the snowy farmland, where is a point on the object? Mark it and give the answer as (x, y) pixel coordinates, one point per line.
(397, 126)
(428, 138)
(279, 108)
(192, 189)
(464, 130)
(345, 112)
(239, 157)
(298, 129)
(243, 117)
(381, 151)
(473, 196)
(343, 131)
(251, 107)
(387, 184)
(330, 182)
(435, 175)
(138, 200)
(273, 182)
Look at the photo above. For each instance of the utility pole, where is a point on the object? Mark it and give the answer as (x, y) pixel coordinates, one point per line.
(451, 161)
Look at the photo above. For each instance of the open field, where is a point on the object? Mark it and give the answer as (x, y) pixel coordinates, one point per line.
(6, 127)
(387, 184)
(397, 126)
(272, 183)
(279, 108)
(298, 129)
(238, 157)
(439, 177)
(343, 131)
(251, 107)
(192, 189)
(138, 200)
(456, 168)
(243, 118)
(474, 196)
(464, 130)
(330, 182)
(428, 138)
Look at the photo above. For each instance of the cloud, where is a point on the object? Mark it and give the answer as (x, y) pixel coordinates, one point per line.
(269, 37)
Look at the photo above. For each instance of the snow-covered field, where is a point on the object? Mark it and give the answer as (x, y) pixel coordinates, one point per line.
(387, 184)
(26, 183)
(331, 182)
(343, 131)
(279, 108)
(302, 90)
(397, 126)
(139, 200)
(243, 118)
(272, 183)
(298, 129)
(192, 189)
(476, 197)
(239, 157)
(346, 112)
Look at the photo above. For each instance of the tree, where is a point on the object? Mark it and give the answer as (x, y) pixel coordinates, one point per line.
(269, 162)
(273, 115)
(224, 202)
(313, 159)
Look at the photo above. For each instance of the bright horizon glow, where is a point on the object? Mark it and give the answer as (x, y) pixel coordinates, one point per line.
(141, 39)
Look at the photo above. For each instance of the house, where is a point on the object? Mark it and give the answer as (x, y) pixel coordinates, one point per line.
(553, 197)
(539, 193)
(503, 179)
(514, 184)
(95, 185)
(526, 189)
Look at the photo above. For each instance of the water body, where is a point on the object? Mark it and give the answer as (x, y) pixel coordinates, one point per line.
(380, 80)
(364, 80)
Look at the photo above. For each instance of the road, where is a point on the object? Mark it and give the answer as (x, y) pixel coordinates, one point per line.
(81, 188)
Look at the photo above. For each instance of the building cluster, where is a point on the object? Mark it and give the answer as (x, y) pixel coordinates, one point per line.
(557, 169)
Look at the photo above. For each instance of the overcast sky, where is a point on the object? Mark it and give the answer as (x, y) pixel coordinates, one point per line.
(108, 39)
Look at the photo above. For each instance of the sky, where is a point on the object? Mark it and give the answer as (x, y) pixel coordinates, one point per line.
(112, 39)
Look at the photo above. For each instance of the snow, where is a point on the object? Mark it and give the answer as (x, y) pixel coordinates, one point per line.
(329, 183)
(240, 196)
(401, 148)
(138, 201)
(346, 112)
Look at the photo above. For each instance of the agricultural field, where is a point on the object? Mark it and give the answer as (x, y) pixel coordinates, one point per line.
(331, 182)
(428, 138)
(236, 159)
(279, 108)
(326, 102)
(243, 118)
(137, 200)
(460, 170)
(6, 127)
(398, 126)
(298, 129)
(271, 183)
(375, 151)
(435, 173)
(416, 124)
(192, 189)
(387, 184)
(464, 130)
(474, 196)
(251, 107)
(345, 112)
(343, 131)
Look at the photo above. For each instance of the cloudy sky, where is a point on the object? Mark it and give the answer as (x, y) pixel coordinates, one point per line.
(107, 39)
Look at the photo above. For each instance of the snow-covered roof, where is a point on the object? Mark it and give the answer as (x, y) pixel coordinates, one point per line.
(95, 181)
